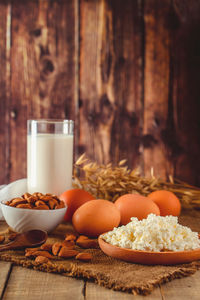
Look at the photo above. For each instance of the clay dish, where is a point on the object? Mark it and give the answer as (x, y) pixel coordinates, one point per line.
(149, 257)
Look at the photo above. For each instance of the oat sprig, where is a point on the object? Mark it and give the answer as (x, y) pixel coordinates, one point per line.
(110, 182)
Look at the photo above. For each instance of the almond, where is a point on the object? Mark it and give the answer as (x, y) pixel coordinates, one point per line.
(40, 203)
(47, 247)
(32, 249)
(17, 201)
(68, 244)
(70, 237)
(52, 203)
(46, 198)
(56, 248)
(45, 207)
(67, 253)
(82, 237)
(32, 199)
(38, 253)
(26, 195)
(13, 236)
(24, 206)
(87, 243)
(41, 259)
(2, 239)
(84, 256)
(60, 205)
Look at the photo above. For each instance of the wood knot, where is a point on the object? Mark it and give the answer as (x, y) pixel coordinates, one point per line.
(47, 67)
(36, 32)
(13, 114)
(148, 141)
(106, 109)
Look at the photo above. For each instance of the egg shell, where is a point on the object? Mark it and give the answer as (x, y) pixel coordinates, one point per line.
(96, 217)
(134, 205)
(74, 198)
(167, 202)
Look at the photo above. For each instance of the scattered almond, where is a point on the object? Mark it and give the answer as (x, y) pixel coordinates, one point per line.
(67, 253)
(13, 236)
(2, 239)
(68, 243)
(47, 247)
(32, 253)
(32, 249)
(84, 256)
(56, 248)
(87, 243)
(41, 259)
(81, 238)
(70, 237)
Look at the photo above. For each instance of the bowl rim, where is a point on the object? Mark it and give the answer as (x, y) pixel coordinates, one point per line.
(33, 210)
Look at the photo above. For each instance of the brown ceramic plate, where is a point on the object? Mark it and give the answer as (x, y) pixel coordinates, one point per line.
(149, 257)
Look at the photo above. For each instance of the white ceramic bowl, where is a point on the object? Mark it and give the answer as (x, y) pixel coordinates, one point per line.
(21, 220)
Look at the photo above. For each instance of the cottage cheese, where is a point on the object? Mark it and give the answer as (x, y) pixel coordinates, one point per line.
(155, 233)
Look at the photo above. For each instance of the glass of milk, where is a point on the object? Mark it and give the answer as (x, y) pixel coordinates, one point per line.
(49, 156)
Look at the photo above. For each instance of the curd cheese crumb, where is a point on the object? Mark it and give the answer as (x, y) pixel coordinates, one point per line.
(155, 233)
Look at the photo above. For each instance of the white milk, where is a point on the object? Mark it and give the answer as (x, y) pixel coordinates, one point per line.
(49, 163)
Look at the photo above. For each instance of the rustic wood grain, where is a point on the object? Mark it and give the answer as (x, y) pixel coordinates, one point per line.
(136, 75)
(184, 288)
(185, 87)
(29, 284)
(4, 91)
(110, 80)
(43, 69)
(5, 268)
(96, 292)
(156, 88)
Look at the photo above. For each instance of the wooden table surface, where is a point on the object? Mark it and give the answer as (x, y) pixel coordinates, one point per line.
(22, 283)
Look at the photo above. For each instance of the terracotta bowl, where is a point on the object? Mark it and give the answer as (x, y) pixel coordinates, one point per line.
(149, 257)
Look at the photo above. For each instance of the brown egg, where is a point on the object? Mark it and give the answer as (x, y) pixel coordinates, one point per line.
(167, 202)
(96, 217)
(134, 205)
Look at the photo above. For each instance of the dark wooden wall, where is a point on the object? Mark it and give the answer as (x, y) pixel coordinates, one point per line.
(127, 72)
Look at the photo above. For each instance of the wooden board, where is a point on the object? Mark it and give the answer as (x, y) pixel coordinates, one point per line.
(4, 91)
(110, 80)
(43, 69)
(184, 289)
(156, 89)
(95, 292)
(30, 284)
(185, 87)
(5, 268)
(126, 71)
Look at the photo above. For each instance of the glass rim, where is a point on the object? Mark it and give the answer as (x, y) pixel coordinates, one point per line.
(49, 121)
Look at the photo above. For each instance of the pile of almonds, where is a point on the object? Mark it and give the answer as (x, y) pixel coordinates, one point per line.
(65, 249)
(37, 201)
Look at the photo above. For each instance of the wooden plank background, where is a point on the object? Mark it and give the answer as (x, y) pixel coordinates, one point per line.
(126, 71)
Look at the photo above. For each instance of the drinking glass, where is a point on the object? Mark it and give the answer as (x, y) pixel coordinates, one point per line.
(49, 155)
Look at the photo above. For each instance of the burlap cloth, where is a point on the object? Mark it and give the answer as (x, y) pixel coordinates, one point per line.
(109, 272)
